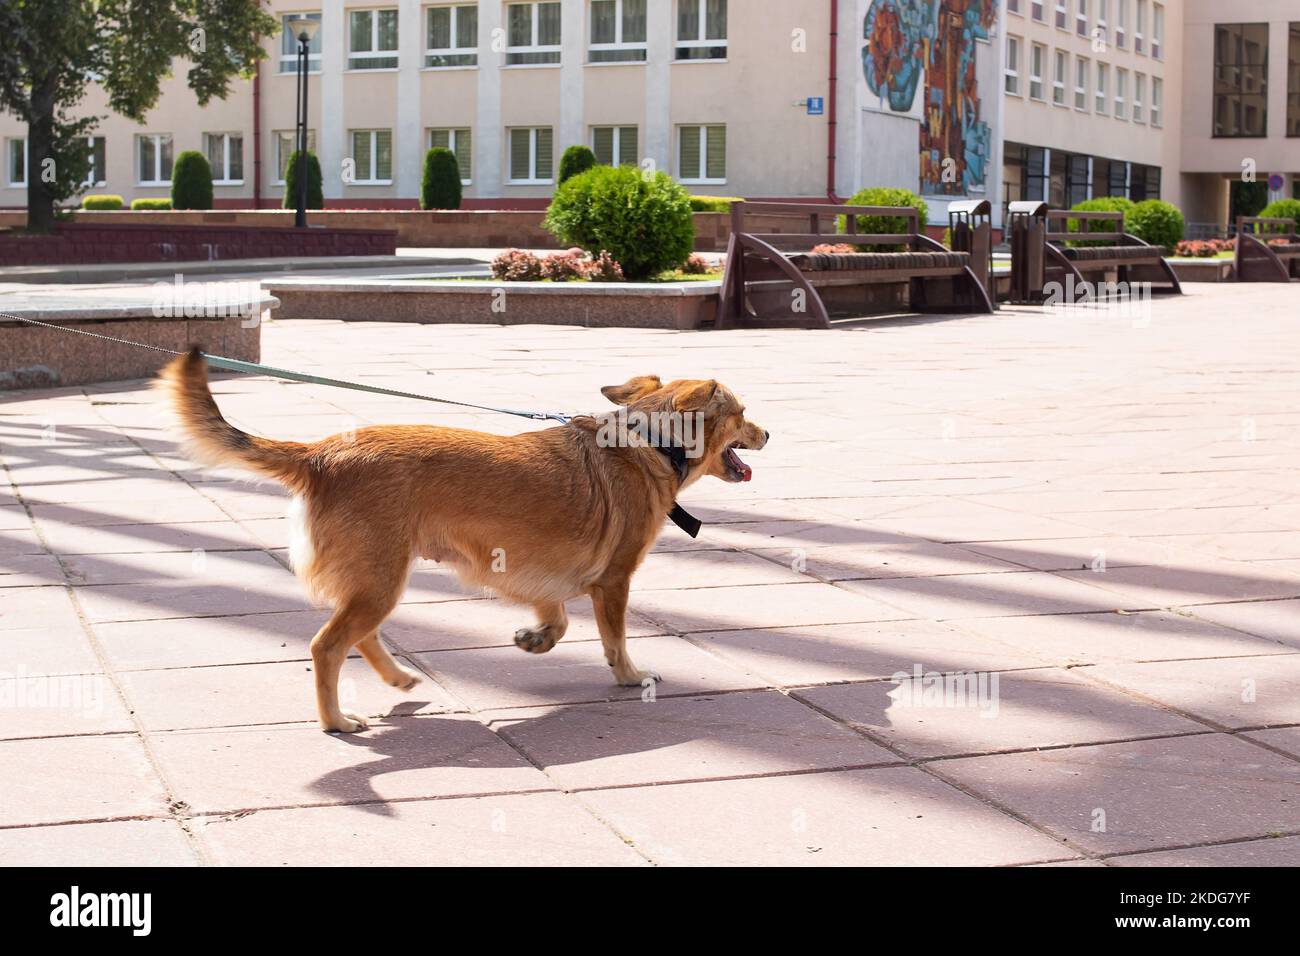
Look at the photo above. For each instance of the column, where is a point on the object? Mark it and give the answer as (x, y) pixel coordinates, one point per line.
(660, 32)
(331, 145)
(573, 56)
(487, 117)
(408, 137)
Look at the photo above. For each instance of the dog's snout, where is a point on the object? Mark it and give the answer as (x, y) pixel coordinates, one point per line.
(766, 435)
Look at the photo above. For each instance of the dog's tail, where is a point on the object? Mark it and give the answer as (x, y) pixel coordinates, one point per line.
(212, 440)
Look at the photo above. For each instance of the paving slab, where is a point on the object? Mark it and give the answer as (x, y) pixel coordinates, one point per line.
(1149, 794)
(932, 714)
(1233, 692)
(894, 816)
(747, 734)
(115, 843)
(1268, 851)
(1275, 620)
(541, 829)
(223, 771)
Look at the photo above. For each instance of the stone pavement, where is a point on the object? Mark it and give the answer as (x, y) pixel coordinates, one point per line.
(1092, 518)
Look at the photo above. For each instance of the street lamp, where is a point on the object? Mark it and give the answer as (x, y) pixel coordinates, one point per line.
(302, 29)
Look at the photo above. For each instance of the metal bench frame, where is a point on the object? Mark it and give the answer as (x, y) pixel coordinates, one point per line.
(1255, 260)
(759, 270)
(1038, 256)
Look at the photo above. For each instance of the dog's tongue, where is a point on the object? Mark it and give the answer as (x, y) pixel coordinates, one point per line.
(734, 460)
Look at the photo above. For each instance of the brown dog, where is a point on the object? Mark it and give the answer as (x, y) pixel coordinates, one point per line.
(538, 518)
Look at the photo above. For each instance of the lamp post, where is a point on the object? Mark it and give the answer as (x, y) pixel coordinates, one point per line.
(302, 30)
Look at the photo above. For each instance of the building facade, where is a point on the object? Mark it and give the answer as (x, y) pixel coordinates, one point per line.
(1060, 100)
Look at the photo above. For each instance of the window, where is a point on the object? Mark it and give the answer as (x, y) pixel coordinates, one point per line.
(1157, 29)
(615, 145)
(1121, 81)
(1013, 6)
(1157, 96)
(702, 154)
(372, 152)
(461, 144)
(286, 141)
(1081, 18)
(533, 33)
(1118, 179)
(530, 154)
(1099, 104)
(1011, 74)
(372, 40)
(1139, 26)
(1062, 65)
(1062, 15)
(154, 159)
(289, 45)
(1293, 86)
(1036, 10)
(1139, 94)
(1078, 180)
(1081, 84)
(1121, 23)
(1102, 20)
(16, 162)
(617, 31)
(225, 153)
(1036, 56)
(98, 167)
(451, 36)
(1241, 79)
(701, 29)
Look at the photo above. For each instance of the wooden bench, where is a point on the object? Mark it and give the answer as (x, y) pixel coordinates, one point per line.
(1259, 257)
(774, 280)
(1042, 251)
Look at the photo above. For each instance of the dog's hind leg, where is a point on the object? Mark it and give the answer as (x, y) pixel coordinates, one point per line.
(353, 621)
(552, 622)
(390, 672)
(610, 604)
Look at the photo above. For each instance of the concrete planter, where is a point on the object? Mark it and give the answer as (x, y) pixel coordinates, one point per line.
(678, 305)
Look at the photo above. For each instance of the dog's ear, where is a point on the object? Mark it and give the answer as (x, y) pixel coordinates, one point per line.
(696, 396)
(632, 389)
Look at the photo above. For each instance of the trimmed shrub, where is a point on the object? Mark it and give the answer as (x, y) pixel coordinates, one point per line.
(1283, 209)
(440, 188)
(643, 221)
(191, 181)
(151, 204)
(884, 196)
(517, 265)
(604, 268)
(102, 201)
(833, 249)
(1204, 248)
(1157, 222)
(713, 203)
(575, 161)
(564, 266)
(315, 194)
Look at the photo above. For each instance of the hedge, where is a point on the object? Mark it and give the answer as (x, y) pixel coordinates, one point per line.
(151, 204)
(440, 188)
(315, 194)
(102, 201)
(191, 181)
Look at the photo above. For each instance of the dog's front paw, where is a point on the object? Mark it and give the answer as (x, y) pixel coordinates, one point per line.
(535, 640)
(405, 678)
(344, 723)
(633, 677)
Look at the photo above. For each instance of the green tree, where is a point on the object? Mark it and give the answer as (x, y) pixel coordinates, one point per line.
(440, 188)
(575, 161)
(191, 181)
(51, 50)
(315, 182)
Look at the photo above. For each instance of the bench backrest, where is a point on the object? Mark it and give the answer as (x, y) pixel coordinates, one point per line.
(1085, 220)
(822, 220)
(1282, 227)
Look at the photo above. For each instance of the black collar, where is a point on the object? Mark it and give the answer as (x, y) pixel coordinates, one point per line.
(679, 516)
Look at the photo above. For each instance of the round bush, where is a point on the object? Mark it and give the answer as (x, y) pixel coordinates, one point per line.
(315, 195)
(440, 188)
(191, 181)
(575, 161)
(154, 204)
(642, 220)
(1157, 222)
(1283, 209)
(102, 201)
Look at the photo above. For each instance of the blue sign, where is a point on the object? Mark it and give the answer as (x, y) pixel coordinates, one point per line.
(1276, 182)
(816, 106)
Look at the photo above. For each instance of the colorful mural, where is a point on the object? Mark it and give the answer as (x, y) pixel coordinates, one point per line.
(911, 40)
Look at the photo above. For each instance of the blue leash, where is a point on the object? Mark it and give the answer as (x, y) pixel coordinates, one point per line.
(254, 368)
